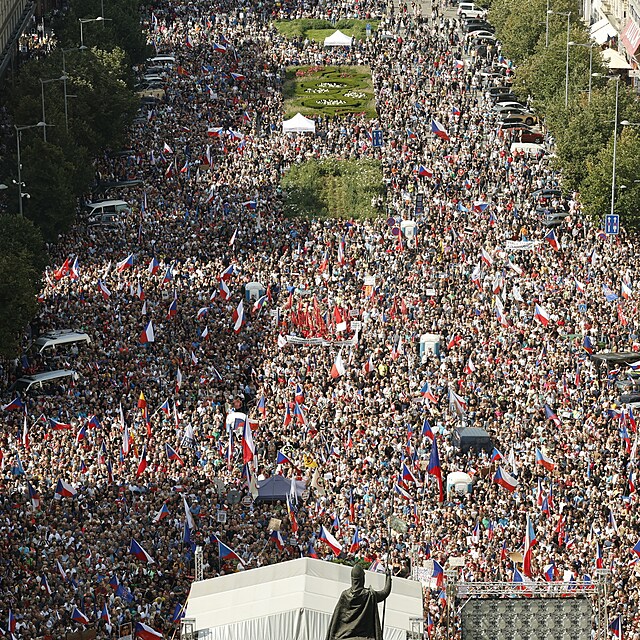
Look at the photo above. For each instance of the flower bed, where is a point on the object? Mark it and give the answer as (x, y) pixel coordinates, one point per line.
(329, 91)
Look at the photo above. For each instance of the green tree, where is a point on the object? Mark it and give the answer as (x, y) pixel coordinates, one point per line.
(47, 177)
(596, 187)
(583, 130)
(22, 259)
(121, 29)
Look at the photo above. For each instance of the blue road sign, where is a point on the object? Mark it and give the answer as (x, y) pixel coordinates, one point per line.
(376, 137)
(612, 225)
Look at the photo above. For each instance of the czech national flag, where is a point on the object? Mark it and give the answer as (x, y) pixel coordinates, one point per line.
(541, 315)
(79, 617)
(330, 541)
(163, 513)
(136, 550)
(549, 572)
(542, 460)
(495, 455)
(146, 633)
(148, 334)
(127, 263)
(262, 406)
(14, 405)
(355, 542)
(426, 430)
(434, 468)
(438, 130)
(54, 425)
(64, 490)
(227, 553)
(153, 266)
(616, 627)
(551, 415)
(424, 172)
(552, 240)
(283, 459)
(172, 454)
(505, 479)
(277, 538)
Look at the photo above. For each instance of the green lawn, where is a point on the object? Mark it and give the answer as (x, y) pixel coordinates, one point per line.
(328, 91)
(318, 30)
(332, 188)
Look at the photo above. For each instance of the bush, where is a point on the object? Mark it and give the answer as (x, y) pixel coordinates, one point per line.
(332, 188)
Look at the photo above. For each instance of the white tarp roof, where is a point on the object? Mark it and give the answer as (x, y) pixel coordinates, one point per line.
(291, 600)
(299, 124)
(614, 60)
(602, 30)
(338, 39)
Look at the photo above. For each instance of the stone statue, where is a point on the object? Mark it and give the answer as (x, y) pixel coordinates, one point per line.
(356, 614)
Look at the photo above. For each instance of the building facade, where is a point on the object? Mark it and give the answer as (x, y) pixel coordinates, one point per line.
(15, 17)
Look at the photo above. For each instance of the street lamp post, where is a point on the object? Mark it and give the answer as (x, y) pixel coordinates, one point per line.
(84, 21)
(64, 80)
(566, 72)
(615, 147)
(19, 130)
(590, 46)
(546, 33)
(42, 83)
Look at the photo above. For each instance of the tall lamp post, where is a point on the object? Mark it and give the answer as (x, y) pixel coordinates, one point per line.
(19, 130)
(42, 83)
(566, 72)
(615, 141)
(65, 77)
(84, 21)
(590, 46)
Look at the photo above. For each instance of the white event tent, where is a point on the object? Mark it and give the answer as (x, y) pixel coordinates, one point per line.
(338, 39)
(299, 124)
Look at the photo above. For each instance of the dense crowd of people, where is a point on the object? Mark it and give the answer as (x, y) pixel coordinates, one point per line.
(144, 448)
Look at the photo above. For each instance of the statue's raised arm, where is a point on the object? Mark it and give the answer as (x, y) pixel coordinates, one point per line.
(356, 614)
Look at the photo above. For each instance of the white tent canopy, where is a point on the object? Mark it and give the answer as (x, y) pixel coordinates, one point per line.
(602, 31)
(338, 39)
(290, 600)
(299, 124)
(614, 60)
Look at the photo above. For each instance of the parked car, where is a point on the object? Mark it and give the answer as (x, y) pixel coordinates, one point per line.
(509, 104)
(469, 9)
(527, 135)
(527, 118)
(474, 25)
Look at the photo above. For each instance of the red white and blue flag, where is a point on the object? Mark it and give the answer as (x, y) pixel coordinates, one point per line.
(136, 550)
(330, 541)
(438, 130)
(145, 632)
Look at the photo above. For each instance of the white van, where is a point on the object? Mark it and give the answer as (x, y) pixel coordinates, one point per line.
(161, 61)
(470, 10)
(95, 209)
(41, 381)
(61, 337)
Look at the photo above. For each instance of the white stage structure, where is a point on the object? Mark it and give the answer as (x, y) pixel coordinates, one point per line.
(291, 600)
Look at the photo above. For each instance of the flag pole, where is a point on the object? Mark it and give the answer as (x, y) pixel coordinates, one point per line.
(384, 603)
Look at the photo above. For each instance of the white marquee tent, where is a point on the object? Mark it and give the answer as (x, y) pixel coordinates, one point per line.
(291, 600)
(299, 124)
(338, 39)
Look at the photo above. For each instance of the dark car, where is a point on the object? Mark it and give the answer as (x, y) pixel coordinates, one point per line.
(527, 135)
(475, 25)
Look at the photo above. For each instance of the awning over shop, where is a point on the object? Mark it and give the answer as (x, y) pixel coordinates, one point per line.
(614, 60)
(602, 31)
(630, 37)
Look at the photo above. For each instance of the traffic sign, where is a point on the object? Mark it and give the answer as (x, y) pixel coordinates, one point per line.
(612, 225)
(376, 137)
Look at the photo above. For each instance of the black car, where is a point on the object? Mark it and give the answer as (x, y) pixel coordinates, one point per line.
(475, 25)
